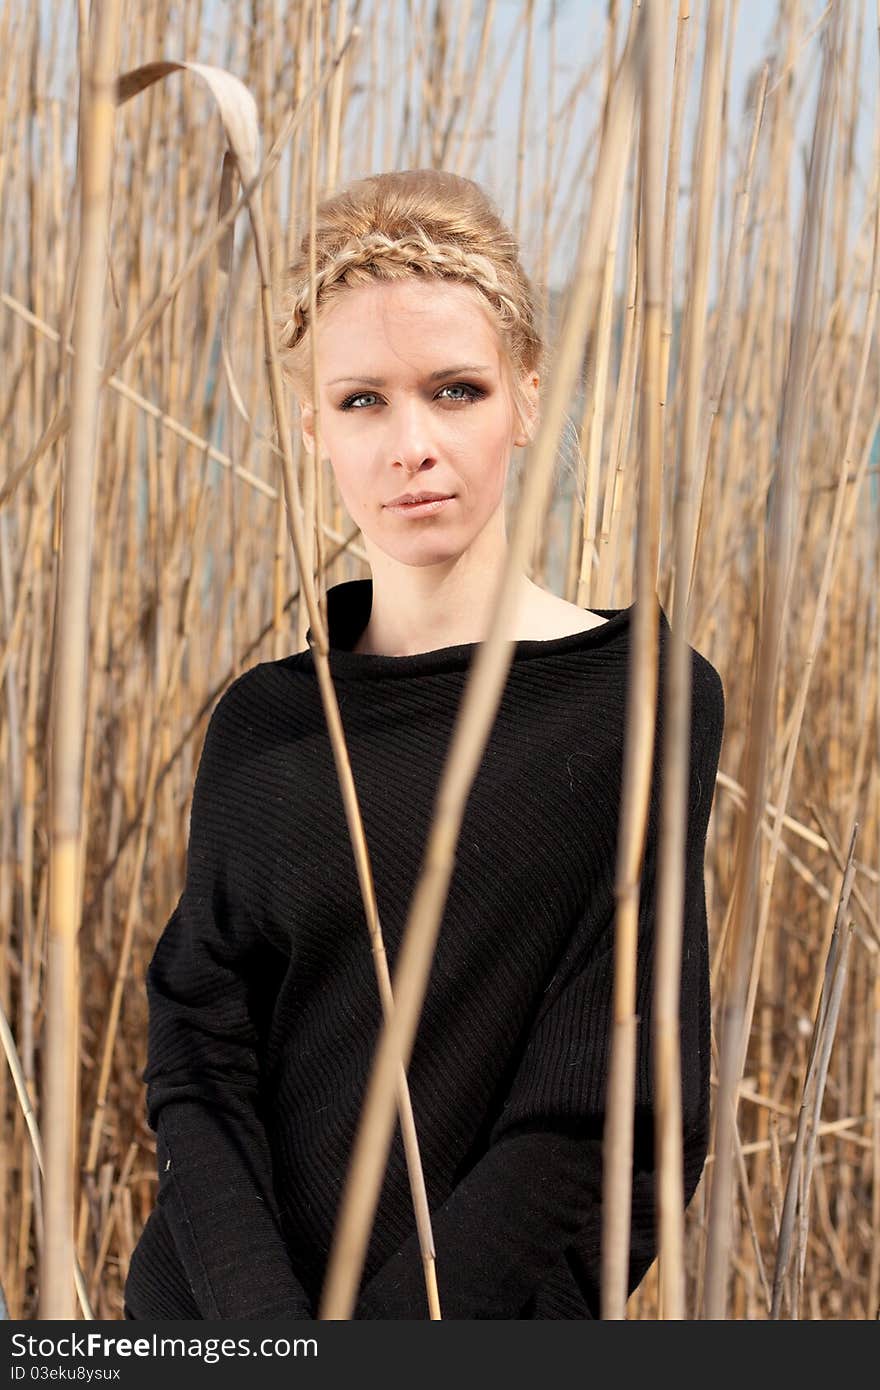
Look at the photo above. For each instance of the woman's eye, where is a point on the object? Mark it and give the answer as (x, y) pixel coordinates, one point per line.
(474, 393)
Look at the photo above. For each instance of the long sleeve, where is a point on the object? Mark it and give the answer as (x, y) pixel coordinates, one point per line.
(525, 1222)
(202, 1075)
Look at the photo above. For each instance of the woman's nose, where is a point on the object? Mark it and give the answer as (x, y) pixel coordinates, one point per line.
(410, 434)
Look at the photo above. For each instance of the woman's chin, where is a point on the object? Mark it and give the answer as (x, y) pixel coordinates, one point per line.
(417, 549)
(420, 556)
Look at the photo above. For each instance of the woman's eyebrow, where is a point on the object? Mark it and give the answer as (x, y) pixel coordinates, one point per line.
(434, 376)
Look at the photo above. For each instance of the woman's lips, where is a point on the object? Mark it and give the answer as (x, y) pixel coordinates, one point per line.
(419, 508)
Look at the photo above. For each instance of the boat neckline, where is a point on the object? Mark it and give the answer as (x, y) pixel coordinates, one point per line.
(348, 610)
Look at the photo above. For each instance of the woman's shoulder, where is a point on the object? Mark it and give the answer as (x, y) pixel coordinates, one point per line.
(247, 707)
(707, 692)
(707, 688)
(707, 704)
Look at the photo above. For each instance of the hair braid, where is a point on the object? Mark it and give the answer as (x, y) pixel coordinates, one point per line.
(416, 253)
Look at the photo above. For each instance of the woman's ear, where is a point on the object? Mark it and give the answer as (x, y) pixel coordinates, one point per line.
(307, 426)
(526, 432)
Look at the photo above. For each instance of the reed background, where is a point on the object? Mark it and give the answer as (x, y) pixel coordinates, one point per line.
(193, 578)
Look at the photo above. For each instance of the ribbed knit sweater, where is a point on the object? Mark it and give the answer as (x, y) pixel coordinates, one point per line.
(264, 1010)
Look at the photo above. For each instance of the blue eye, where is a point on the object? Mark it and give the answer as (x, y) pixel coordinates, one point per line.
(475, 393)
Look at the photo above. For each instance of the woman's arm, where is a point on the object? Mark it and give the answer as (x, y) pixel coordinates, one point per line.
(215, 1170)
(536, 1192)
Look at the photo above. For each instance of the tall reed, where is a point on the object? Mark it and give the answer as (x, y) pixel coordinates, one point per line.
(68, 704)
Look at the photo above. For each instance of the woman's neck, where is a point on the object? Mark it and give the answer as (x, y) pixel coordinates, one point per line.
(430, 614)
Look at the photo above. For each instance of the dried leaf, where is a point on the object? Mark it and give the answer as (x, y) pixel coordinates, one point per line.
(238, 110)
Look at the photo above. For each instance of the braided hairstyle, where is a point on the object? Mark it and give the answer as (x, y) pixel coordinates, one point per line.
(409, 222)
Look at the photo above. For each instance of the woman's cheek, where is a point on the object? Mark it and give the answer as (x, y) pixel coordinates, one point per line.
(349, 477)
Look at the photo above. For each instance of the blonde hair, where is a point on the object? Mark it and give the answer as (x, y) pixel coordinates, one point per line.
(395, 225)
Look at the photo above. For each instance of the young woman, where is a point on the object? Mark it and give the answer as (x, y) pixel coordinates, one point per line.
(264, 1008)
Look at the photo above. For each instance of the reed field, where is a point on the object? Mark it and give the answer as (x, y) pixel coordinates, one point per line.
(706, 258)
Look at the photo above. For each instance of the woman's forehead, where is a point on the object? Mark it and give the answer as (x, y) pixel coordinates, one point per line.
(444, 301)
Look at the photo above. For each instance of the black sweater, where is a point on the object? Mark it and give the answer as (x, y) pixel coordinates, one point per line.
(264, 1009)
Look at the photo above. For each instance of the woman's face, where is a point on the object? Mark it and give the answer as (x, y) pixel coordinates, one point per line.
(413, 400)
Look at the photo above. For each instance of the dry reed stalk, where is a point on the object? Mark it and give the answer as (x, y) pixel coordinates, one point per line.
(62, 1006)
(595, 401)
(874, 1271)
(493, 94)
(723, 132)
(546, 203)
(809, 1171)
(475, 85)
(870, 942)
(781, 549)
(312, 556)
(680, 74)
(447, 94)
(23, 1093)
(31, 957)
(594, 411)
(721, 364)
(523, 119)
(672, 846)
(743, 1176)
(640, 717)
(479, 705)
(337, 94)
(608, 538)
(814, 1088)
